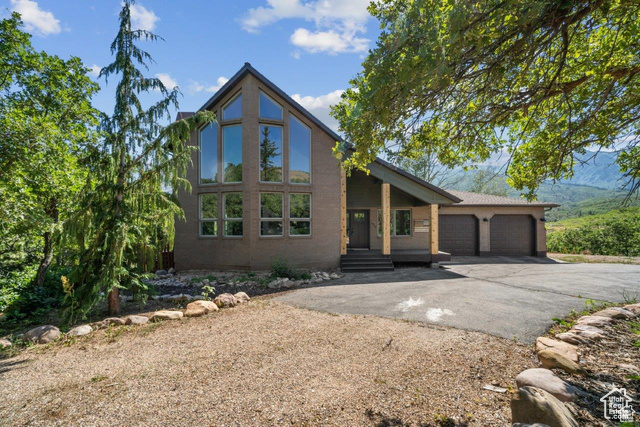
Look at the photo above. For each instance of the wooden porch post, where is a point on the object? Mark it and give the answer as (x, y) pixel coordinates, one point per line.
(343, 211)
(434, 229)
(386, 219)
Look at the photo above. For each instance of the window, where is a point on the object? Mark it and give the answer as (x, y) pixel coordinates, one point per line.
(299, 152)
(209, 215)
(233, 110)
(232, 214)
(209, 154)
(299, 214)
(271, 214)
(270, 153)
(269, 109)
(400, 222)
(232, 152)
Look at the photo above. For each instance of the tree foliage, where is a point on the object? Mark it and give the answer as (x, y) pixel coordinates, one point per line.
(546, 80)
(128, 209)
(47, 124)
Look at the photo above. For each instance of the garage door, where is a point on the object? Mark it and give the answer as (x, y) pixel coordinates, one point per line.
(512, 235)
(458, 234)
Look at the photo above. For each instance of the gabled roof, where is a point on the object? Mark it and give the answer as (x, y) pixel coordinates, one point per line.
(477, 199)
(380, 168)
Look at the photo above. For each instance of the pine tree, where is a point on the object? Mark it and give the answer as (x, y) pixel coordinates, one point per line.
(128, 209)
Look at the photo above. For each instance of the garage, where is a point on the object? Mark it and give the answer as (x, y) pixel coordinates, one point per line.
(458, 234)
(512, 235)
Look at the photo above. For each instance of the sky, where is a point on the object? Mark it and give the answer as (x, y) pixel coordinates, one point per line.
(310, 49)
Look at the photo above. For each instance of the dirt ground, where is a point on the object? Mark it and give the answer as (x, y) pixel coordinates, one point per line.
(265, 363)
(604, 259)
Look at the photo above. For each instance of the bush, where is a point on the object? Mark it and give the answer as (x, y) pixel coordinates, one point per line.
(614, 233)
(280, 267)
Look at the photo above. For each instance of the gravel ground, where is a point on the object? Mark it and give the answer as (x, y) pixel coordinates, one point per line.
(265, 363)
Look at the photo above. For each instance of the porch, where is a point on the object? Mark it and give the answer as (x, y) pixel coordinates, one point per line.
(388, 217)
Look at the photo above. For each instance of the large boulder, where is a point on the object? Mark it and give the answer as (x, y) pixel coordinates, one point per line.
(42, 334)
(588, 328)
(80, 331)
(634, 308)
(226, 300)
(551, 359)
(200, 308)
(597, 321)
(166, 315)
(545, 379)
(4, 343)
(532, 405)
(568, 350)
(135, 320)
(242, 297)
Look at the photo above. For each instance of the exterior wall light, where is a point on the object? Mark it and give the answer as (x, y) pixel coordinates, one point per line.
(485, 219)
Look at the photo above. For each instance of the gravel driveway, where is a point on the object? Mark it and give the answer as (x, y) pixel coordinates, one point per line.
(265, 363)
(506, 297)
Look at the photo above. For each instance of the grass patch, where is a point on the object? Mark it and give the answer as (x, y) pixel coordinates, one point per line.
(591, 306)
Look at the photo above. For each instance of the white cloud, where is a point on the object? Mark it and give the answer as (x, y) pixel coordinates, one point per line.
(95, 70)
(40, 21)
(168, 81)
(319, 106)
(337, 23)
(330, 41)
(195, 87)
(142, 18)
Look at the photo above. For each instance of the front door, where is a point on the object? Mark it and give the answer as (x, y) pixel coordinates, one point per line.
(358, 229)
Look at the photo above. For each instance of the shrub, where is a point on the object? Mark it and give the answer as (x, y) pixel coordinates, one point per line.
(280, 267)
(614, 233)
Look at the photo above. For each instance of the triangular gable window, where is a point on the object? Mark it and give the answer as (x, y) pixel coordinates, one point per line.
(233, 110)
(269, 109)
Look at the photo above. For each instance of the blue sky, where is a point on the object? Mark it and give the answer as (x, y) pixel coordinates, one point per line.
(310, 49)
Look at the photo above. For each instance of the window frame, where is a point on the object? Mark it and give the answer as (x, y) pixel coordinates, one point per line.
(229, 102)
(202, 219)
(224, 215)
(281, 182)
(392, 215)
(222, 163)
(281, 219)
(260, 117)
(291, 115)
(309, 220)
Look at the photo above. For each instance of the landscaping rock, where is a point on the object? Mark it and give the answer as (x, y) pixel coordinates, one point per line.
(242, 297)
(4, 343)
(551, 359)
(275, 284)
(588, 328)
(166, 315)
(572, 338)
(615, 313)
(161, 272)
(634, 308)
(225, 300)
(178, 298)
(80, 331)
(200, 308)
(594, 321)
(115, 321)
(545, 379)
(171, 270)
(286, 283)
(587, 334)
(135, 320)
(532, 405)
(334, 276)
(42, 334)
(568, 350)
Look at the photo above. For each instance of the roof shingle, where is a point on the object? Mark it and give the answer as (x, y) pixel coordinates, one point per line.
(478, 199)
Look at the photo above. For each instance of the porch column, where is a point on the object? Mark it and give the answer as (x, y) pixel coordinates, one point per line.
(434, 229)
(386, 219)
(343, 210)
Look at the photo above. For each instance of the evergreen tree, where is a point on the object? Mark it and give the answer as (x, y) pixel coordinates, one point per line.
(127, 209)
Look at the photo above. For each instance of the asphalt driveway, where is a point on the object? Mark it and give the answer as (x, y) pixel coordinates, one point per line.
(506, 297)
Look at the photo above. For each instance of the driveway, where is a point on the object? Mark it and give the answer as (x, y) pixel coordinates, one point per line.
(507, 297)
